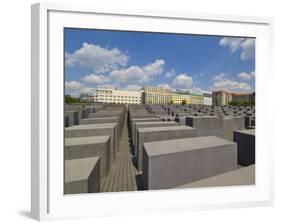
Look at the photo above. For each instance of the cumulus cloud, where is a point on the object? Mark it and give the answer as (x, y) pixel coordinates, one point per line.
(133, 87)
(170, 73)
(219, 77)
(73, 85)
(182, 81)
(222, 82)
(108, 86)
(164, 85)
(248, 49)
(232, 42)
(246, 76)
(246, 45)
(96, 79)
(75, 88)
(97, 58)
(137, 75)
(198, 89)
(154, 68)
(87, 90)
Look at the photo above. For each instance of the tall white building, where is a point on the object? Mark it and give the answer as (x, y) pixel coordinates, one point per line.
(207, 99)
(118, 96)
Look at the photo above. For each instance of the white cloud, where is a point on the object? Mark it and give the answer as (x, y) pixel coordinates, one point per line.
(182, 81)
(247, 46)
(248, 49)
(109, 86)
(170, 73)
(75, 88)
(197, 89)
(219, 77)
(246, 76)
(233, 43)
(136, 74)
(164, 85)
(97, 58)
(222, 82)
(87, 90)
(154, 68)
(131, 78)
(96, 79)
(73, 85)
(133, 87)
(133, 74)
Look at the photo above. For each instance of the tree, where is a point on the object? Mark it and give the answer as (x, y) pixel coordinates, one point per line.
(242, 103)
(233, 103)
(71, 100)
(183, 102)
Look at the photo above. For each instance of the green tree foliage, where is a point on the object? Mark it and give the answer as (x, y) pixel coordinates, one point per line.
(183, 102)
(242, 103)
(71, 100)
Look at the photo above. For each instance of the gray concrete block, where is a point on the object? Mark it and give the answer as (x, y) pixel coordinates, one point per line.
(249, 121)
(157, 134)
(237, 177)
(132, 121)
(230, 124)
(83, 147)
(82, 113)
(73, 117)
(82, 176)
(150, 124)
(181, 120)
(245, 140)
(168, 164)
(104, 120)
(66, 121)
(206, 125)
(99, 120)
(108, 114)
(95, 130)
(142, 115)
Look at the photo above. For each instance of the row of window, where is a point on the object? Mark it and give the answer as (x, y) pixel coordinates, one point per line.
(182, 98)
(101, 99)
(134, 97)
(117, 102)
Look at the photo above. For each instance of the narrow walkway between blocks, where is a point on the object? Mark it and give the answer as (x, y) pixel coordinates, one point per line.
(122, 174)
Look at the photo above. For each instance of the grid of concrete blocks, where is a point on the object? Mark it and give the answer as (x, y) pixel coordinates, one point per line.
(170, 146)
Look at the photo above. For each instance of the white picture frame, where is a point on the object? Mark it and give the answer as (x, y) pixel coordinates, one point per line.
(48, 201)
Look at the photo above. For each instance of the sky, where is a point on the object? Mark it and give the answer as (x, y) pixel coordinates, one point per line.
(131, 60)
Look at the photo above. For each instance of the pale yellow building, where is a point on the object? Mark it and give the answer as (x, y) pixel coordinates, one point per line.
(118, 96)
(178, 98)
(197, 98)
(157, 95)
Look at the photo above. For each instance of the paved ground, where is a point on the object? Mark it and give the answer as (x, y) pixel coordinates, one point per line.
(122, 174)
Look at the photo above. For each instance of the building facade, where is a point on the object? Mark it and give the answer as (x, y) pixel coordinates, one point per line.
(118, 96)
(197, 98)
(179, 96)
(157, 95)
(221, 98)
(207, 99)
(243, 97)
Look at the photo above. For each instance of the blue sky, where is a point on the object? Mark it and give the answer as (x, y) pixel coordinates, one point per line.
(130, 60)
